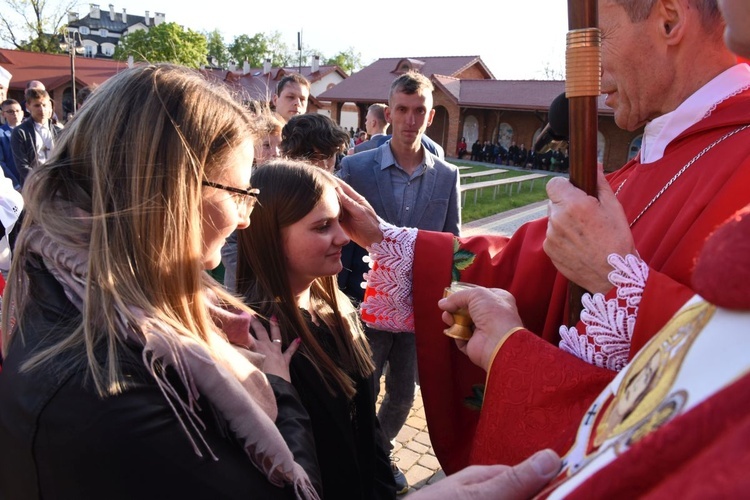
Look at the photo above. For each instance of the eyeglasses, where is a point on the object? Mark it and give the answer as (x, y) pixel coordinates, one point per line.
(245, 198)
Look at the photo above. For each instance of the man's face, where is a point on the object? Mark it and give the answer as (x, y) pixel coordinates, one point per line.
(292, 100)
(636, 70)
(40, 109)
(12, 114)
(737, 32)
(409, 115)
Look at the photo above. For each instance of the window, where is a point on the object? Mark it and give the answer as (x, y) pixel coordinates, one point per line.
(103, 32)
(84, 30)
(90, 50)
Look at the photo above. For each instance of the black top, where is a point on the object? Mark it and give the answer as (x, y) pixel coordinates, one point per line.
(59, 439)
(349, 442)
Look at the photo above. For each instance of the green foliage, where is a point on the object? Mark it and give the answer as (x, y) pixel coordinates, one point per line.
(33, 24)
(487, 206)
(255, 49)
(347, 60)
(217, 49)
(166, 42)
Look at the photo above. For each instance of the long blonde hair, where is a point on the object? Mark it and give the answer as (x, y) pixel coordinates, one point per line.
(289, 190)
(124, 183)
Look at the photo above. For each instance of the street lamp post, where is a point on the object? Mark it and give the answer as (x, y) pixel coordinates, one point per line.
(72, 44)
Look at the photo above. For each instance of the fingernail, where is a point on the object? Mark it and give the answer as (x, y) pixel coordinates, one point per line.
(545, 463)
(298, 340)
(273, 318)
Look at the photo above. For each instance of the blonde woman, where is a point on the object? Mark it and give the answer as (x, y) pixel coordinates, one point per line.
(128, 373)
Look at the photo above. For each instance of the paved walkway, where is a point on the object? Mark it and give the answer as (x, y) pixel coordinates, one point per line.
(413, 448)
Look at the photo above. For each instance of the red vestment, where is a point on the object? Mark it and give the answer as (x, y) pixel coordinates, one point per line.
(536, 394)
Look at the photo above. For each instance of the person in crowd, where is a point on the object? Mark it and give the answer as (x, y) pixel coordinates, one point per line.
(292, 95)
(376, 126)
(476, 151)
(129, 372)
(314, 138)
(5, 77)
(286, 271)
(408, 186)
(13, 115)
(267, 140)
(461, 148)
(32, 141)
(675, 421)
(695, 156)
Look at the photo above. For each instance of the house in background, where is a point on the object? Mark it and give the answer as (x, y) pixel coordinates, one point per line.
(259, 84)
(101, 30)
(53, 70)
(469, 102)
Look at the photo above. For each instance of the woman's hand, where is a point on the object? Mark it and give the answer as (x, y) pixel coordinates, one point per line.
(277, 361)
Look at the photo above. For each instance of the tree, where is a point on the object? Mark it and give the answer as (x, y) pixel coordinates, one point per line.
(33, 24)
(348, 60)
(257, 48)
(217, 49)
(166, 42)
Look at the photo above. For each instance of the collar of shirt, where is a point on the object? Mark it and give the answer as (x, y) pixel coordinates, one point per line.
(388, 160)
(662, 130)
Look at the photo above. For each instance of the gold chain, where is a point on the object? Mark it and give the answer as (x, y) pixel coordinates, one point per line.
(681, 171)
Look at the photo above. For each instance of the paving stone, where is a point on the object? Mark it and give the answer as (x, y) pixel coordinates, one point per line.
(406, 458)
(418, 476)
(417, 423)
(417, 447)
(423, 438)
(407, 433)
(430, 462)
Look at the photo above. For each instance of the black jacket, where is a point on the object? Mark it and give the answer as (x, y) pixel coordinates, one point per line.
(353, 462)
(59, 439)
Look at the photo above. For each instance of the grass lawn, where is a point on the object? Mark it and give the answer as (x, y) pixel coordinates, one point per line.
(486, 206)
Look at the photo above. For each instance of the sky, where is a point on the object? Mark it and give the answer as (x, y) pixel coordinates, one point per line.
(516, 39)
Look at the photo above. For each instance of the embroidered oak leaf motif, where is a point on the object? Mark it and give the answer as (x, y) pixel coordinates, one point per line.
(462, 259)
(474, 402)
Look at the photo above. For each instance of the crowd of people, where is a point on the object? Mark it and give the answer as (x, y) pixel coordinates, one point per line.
(129, 371)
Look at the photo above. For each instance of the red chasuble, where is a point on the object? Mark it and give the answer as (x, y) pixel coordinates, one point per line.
(537, 394)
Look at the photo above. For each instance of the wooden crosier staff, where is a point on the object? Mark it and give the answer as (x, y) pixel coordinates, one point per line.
(582, 88)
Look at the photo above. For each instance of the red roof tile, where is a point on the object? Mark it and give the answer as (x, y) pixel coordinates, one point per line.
(53, 70)
(373, 82)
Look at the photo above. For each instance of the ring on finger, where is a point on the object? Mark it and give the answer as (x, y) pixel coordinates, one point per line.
(277, 341)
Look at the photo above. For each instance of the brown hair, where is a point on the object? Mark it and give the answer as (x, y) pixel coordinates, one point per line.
(289, 190)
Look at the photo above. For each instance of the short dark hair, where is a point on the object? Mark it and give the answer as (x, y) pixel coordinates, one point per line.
(410, 83)
(35, 94)
(292, 77)
(378, 109)
(84, 93)
(8, 102)
(305, 135)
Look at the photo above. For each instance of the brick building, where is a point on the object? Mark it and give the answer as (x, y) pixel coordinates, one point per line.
(469, 102)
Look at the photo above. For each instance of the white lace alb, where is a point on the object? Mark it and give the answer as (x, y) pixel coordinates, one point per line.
(609, 323)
